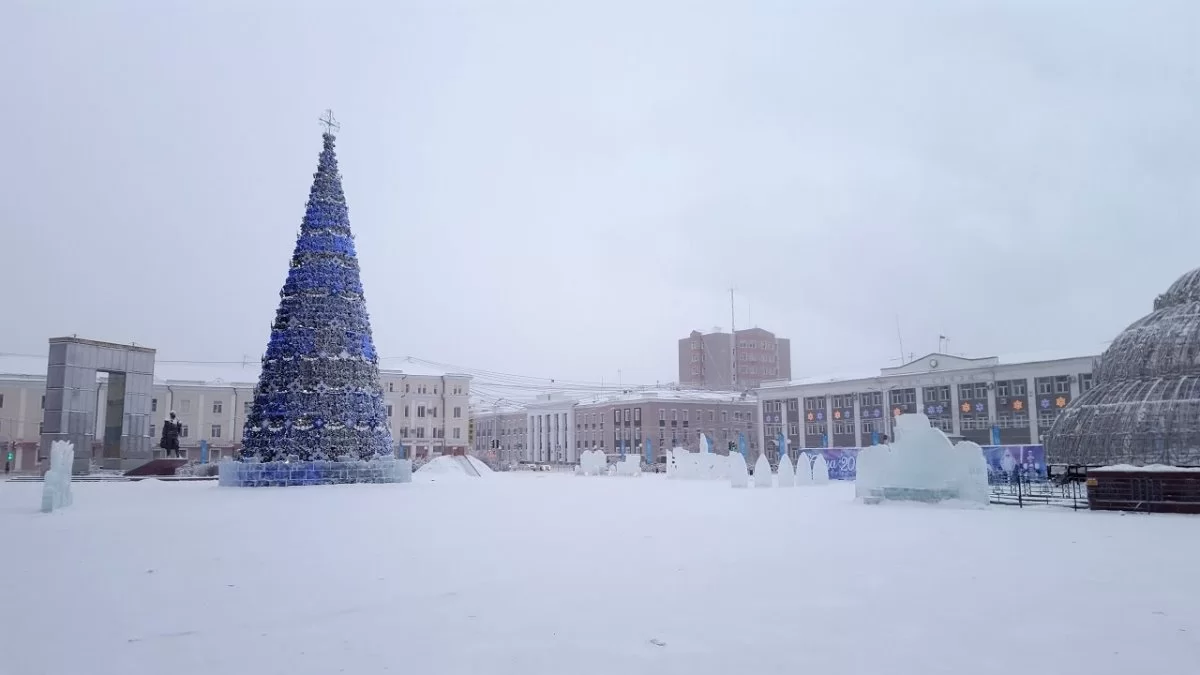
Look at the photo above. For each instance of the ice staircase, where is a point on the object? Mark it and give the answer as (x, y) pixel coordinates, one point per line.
(468, 467)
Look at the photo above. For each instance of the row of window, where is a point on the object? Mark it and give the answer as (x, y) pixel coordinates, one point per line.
(1058, 384)
(423, 389)
(422, 411)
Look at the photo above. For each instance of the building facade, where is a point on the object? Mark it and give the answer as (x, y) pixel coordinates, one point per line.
(984, 400)
(427, 411)
(499, 434)
(556, 428)
(706, 359)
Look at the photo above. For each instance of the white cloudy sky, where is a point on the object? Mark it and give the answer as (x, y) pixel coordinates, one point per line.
(564, 189)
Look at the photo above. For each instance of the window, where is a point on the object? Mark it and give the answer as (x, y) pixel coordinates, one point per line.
(43, 402)
(183, 433)
(903, 396)
(1045, 385)
(662, 414)
(389, 410)
(152, 434)
(246, 407)
(433, 411)
(217, 406)
(1045, 419)
(814, 429)
(153, 405)
(637, 415)
(685, 415)
(871, 398)
(943, 423)
(435, 388)
(1019, 387)
(457, 412)
(725, 414)
(675, 415)
(420, 432)
(185, 406)
(390, 387)
(1062, 384)
(843, 427)
(420, 411)
(628, 415)
(457, 432)
(216, 431)
(1085, 383)
(406, 387)
(972, 391)
(872, 426)
(793, 429)
(1002, 389)
(712, 415)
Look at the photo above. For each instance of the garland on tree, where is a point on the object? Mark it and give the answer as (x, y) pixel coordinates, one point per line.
(318, 395)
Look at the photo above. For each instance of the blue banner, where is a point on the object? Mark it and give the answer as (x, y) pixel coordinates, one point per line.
(622, 446)
(782, 441)
(995, 435)
(649, 451)
(742, 444)
(203, 452)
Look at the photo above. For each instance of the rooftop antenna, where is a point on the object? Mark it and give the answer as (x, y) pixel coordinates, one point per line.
(900, 338)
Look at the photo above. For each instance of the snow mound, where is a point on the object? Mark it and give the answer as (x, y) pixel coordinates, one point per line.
(455, 466)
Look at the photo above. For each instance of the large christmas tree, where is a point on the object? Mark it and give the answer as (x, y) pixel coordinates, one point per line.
(318, 396)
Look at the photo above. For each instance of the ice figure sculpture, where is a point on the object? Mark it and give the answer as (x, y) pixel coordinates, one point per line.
(804, 470)
(762, 472)
(630, 465)
(739, 474)
(787, 476)
(56, 486)
(592, 463)
(705, 446)
(922, 465)
(820, 470)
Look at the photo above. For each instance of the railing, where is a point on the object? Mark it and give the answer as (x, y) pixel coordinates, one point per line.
(1019, 491)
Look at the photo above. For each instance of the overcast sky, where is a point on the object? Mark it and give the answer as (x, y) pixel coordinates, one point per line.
(565, 188)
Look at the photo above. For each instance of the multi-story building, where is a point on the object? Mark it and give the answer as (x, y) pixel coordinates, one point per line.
(427, 409)
(499, 433)
(706, 359)
(555, 428)
(987, 400)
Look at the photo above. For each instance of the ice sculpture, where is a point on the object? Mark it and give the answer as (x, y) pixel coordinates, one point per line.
(786, 475)
(630, 465)
(820, 470)
(592, 463)
(804, 474)
(705, 446)
(56, 486)
(739, 474)
(922, 465)
(762, 472)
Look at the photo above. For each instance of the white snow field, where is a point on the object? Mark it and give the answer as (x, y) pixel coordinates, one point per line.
(532, 573)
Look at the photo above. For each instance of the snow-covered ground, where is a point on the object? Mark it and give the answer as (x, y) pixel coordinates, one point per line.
(530, 573)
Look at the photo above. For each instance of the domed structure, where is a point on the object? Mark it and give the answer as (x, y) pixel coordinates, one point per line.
(1144, 407)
